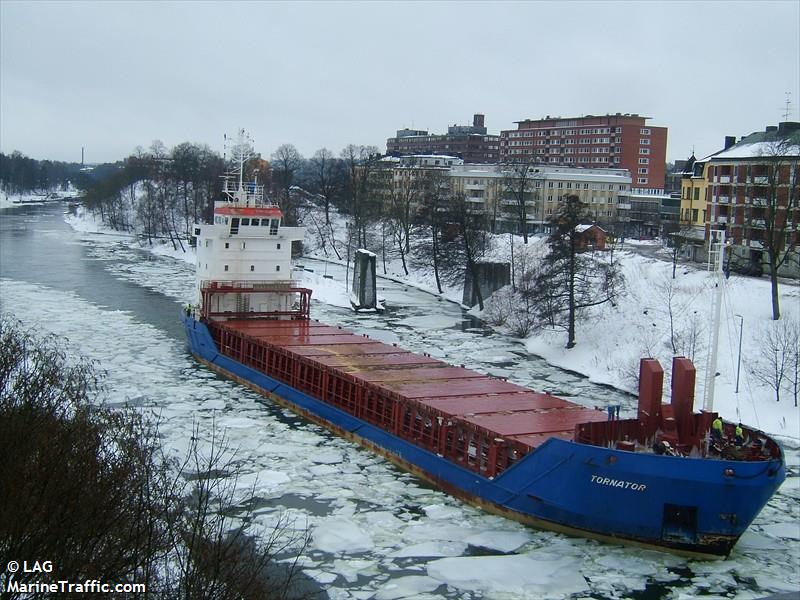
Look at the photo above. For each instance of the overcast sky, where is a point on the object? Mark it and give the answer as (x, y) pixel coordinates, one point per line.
(111, 76)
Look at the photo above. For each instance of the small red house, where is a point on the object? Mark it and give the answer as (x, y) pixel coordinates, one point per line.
(590, 237)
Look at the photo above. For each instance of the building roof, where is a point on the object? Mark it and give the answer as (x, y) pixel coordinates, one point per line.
(616, 115)
(774, 142)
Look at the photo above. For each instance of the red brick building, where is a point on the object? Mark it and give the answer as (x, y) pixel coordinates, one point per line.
(472, 143)
(754, 190)
(620, 141)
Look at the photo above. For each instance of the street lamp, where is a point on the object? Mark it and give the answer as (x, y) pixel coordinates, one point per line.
(739, 363)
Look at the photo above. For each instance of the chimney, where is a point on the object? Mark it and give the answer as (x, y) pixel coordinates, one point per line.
(730, 140)
(788, 127)
(477, 120)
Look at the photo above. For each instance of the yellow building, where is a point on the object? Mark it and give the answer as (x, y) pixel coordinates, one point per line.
(694, 193)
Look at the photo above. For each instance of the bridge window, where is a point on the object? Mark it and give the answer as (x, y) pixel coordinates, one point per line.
(245, 221)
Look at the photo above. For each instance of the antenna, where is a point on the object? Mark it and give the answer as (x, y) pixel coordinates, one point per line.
(787, 112)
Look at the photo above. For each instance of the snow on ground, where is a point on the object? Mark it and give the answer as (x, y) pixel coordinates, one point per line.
(9, 200)
(613, 340)
(376, 532)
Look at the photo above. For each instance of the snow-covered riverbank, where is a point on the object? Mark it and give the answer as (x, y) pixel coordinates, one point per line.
(374, 532)
(655, 313)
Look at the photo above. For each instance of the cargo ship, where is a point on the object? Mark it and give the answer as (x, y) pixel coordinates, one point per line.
(658, 480)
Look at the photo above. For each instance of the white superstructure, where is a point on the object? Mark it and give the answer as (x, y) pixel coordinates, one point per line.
(244, 256)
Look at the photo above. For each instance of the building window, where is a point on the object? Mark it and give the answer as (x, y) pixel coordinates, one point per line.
(642, 170)
(278, 246)
(227, 245)
(252, 268)
(644, 132)
(245, 221)
(644, 161)
(644, 151)
(642, 180)
(277, 267)
(644, 142)
(226, 267)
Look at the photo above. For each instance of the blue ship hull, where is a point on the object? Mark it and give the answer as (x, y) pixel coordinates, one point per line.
(692, 506)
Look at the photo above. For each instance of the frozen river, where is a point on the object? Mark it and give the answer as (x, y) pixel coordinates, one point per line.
(375, 532)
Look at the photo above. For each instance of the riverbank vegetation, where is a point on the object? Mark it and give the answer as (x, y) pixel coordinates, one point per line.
(90, 491)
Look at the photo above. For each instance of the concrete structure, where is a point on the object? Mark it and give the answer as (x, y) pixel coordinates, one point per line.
(622, 141)
(364, 294)
(472, 143)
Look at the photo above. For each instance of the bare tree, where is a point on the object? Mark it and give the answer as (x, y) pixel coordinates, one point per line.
(778, 347)
(361, 163)
(433, 219)
(775, 180)
(405, 198)
(464, 242)
(521, 184)
(285, 161)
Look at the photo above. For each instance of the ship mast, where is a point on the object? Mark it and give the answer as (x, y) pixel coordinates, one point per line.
(241, 151)
(716, 255)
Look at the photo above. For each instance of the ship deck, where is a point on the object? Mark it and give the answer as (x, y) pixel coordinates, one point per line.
(485, 422)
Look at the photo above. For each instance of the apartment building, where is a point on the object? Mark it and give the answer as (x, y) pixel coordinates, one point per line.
(619, 141)
(753, 195)
(487, 188)
(472, 143)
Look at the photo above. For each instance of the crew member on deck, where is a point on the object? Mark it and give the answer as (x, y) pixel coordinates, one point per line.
(716, 429)
(739, 435)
